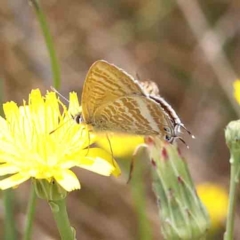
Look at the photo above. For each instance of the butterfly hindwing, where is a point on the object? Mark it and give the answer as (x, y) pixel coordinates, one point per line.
(131, 115)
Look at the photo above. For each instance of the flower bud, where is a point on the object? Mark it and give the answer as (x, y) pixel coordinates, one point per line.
(232, 136)
(182, 214)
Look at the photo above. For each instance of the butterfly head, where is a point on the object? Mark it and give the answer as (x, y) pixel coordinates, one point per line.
(78, 118)
(170, 134)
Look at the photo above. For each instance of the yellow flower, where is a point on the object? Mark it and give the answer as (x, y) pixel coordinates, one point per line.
(40, 140)
(215, 198)
(236, 86)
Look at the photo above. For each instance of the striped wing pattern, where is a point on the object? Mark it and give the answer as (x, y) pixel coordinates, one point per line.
(105, 83)
(113, 101)
(132, 115)
(151, 88)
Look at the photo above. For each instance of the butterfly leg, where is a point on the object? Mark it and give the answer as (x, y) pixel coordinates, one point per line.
(110, 146)
(88, 140)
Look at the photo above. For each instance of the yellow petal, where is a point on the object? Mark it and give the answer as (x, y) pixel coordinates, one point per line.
(11, 110)
(68, 180)
(8, 169)
(13, 181)
(4, 126)
(74, 107)
(103, 163)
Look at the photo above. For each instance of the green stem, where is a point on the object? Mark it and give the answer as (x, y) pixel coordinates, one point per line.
(138, 194)
(9, 222)
(232, 201)
(30, 214)
(49, 43)
(61, 217)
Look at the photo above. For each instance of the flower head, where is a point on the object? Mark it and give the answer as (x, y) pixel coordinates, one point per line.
(182, 214)
(39, 140)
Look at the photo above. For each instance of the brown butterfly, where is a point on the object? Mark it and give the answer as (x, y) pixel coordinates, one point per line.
(113, 101)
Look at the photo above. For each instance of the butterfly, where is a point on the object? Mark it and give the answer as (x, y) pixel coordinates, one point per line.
(113, 101)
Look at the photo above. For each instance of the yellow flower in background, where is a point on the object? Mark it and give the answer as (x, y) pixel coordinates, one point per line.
(40, 140)
(122, 145)
(215, 198)
(236, 86)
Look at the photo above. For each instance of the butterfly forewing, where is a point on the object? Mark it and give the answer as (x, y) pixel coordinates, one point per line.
(105, 83)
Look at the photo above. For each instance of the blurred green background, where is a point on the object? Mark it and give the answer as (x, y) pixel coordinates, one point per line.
(190, 49)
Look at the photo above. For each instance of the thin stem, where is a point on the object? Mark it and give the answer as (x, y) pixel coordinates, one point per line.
(61, 217)
(30, 214)
(49, 43)
(232, 202)
(9, 222)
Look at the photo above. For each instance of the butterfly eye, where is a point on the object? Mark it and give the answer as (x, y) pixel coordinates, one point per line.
(78, 118)
(168, 138)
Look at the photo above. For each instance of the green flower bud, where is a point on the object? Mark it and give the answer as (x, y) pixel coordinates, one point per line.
(232, 136)
(182, 214)
(49, 190)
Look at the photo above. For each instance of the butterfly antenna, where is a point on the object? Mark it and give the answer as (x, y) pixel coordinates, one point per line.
(53, 131)
(187, 131)
(182, 141)
(56, 91)
(59, 126)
